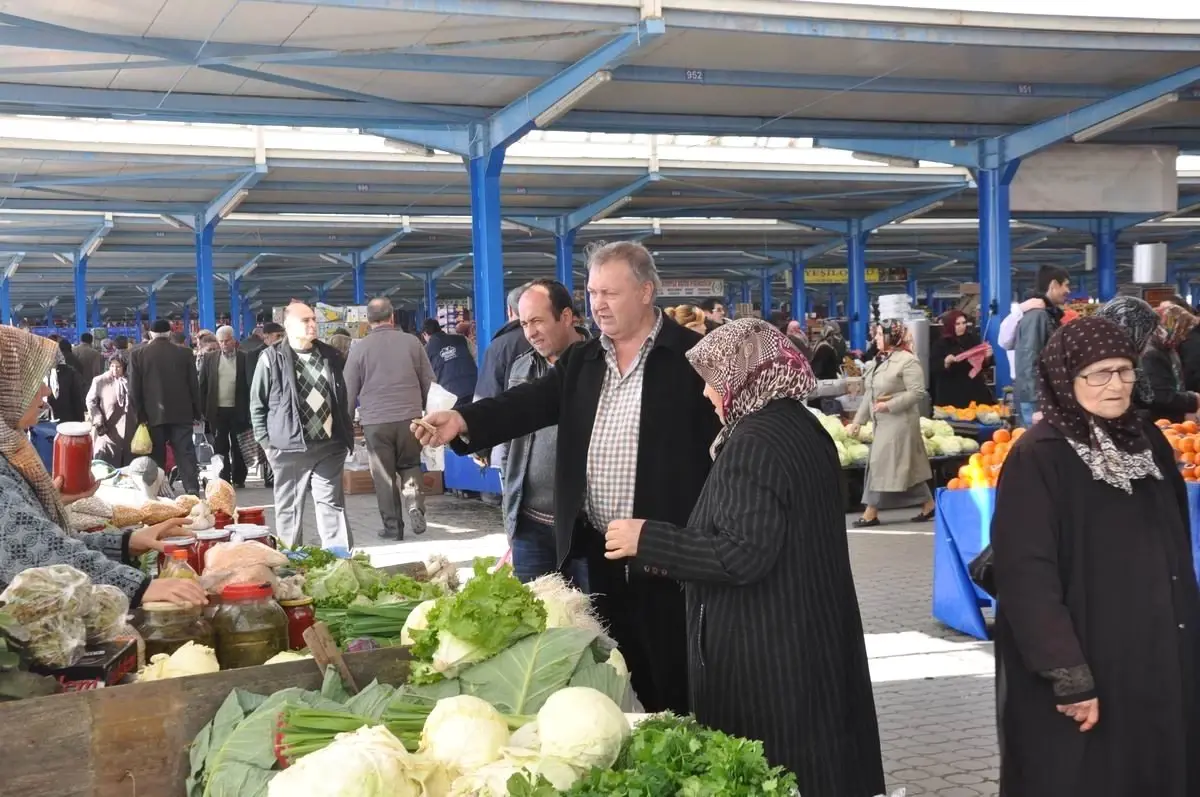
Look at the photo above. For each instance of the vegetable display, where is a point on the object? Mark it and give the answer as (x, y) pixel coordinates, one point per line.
(669, 755)
(491, 612)
(16, 682)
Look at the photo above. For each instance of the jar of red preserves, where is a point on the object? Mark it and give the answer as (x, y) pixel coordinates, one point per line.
(243, 532)
(73, 457)
(221, 520)
(208, 539)
(301, 616)
(254, 516)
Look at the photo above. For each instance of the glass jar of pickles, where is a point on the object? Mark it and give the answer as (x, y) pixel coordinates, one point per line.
(251, 627)
(166, 627)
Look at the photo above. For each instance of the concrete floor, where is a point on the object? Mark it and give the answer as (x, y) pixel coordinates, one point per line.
(933, 686)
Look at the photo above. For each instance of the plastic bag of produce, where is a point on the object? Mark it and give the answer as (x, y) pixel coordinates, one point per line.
(105, 618)
(154, 512)
(142, 445)
(40, 592)
(240, 563)
(57, 640)
(221, 497)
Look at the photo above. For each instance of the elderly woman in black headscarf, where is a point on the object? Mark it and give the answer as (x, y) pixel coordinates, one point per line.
(1098, 608)
(67, 389)
(764, 563)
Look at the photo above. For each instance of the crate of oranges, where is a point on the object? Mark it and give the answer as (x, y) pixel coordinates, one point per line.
(983, 469)
(1185, 439)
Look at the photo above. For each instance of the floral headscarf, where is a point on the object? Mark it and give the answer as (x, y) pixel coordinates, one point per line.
(1140, 322)
(26, 359)
(1115, 450)
(895, 337)
(1176, 324)
(750, 363)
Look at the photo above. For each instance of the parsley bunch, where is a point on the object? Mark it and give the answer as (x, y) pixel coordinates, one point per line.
(669, 755)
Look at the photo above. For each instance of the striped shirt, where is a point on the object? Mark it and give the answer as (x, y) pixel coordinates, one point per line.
(613, 453)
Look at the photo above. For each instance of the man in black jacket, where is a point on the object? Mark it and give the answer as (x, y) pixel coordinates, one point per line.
(225, 393)
(450, 355)
(271, 334)
(507, 345)
(634, 432)
(165, 394)
(299, 414)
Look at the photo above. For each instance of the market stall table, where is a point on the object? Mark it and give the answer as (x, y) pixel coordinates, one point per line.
(465, 474)
(979, 432)
(963, 529)
(944, 468)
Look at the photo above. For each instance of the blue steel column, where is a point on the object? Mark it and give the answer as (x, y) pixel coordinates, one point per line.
(431, 303)
(49, 316)
(1106, 260)
(799, 293)
(235, 307)
(360, 278)
(912, 288)
(97, 321)
(747, 296)
(995, 258)
(206, 306)
(152, 306)
(5, 302)
(81, 295)
(767, 298)
(564, 259)
(249, 323)
(187, 321)
(137, 325)
(857, 308)
(487, 245)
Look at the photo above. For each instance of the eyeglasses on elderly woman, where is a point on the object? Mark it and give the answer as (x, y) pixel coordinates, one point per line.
(1101, 377)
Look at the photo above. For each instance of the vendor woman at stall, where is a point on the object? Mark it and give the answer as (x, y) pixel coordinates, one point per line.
(951, 382)
(32, 524)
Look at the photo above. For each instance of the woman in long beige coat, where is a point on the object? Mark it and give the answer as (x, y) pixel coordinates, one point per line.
(898, 468)
(109, 411)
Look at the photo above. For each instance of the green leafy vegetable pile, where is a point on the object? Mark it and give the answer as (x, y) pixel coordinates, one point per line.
(670, 755)
(343, 582)
(489, 614)
(16, 683)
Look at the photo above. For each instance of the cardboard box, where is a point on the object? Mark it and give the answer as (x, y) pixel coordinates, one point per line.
(432, 483)
(100, 666)
(357, 482)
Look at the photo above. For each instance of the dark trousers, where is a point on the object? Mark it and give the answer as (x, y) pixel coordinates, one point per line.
(647, 617)
(534, 555)
(395, 455)
(180, 437)
(225, 429)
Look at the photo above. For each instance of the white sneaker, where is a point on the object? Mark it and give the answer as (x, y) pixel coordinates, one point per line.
(416, 521)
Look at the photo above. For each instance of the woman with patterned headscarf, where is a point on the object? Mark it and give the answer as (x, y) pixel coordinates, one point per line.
(1163, 368)
(1140, 322)
(828, 350)
(898, 470)
(1098, 612)
(32, 519)
(765, 567)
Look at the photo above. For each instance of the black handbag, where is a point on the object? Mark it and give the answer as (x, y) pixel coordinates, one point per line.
(981, 571)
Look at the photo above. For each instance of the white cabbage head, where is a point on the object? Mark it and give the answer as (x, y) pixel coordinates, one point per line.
(369, 762)
(464, 733)
(583, 727)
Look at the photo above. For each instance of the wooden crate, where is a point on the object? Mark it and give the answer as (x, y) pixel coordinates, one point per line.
(132, 741)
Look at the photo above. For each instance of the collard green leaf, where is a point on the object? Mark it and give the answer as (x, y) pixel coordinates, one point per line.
(602, 677)
(244, 763)
(333, 688)
(518, 680)
(235, 709)
(429, 693)
(372, 701)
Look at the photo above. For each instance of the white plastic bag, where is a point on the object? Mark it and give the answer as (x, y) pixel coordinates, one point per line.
(440, 399)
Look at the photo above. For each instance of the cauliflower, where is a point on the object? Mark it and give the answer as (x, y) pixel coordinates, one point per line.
(370, 762)
(190, 659)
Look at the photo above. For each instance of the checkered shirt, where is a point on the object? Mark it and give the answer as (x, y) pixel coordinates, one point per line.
(315, 391)
(613, 453)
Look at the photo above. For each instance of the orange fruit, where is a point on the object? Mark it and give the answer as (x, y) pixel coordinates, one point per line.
(1002, 436)
(1177, 427)
(1162, 423)
(964, 473)
(954, 484)
(1187, 445)
(1017, 434)
(975, 461)
(1189, 458)
(987, 448)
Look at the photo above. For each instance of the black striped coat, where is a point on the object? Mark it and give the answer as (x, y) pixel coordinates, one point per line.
(775, 640)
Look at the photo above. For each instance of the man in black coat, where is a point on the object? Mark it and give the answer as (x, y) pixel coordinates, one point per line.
(225, 392)
(165, 394)
(634, 432)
